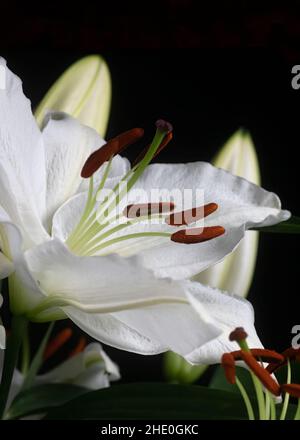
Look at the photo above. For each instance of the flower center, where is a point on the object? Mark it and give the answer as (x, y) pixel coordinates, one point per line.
(100, 227)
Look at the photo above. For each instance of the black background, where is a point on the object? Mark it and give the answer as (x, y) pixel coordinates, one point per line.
(209, 72)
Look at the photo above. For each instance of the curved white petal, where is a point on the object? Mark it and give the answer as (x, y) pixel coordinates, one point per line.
(109, 283)
(24, 291)
(242, 205)
(228, 312)
(83, 91)
(68, 144)
(109, 330)
(22, 166)
(234, 274)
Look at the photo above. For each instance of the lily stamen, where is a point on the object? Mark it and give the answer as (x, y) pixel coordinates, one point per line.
(111, 148)
(60, 339)
(228, 363)
(191, 215)
(91, 223)
(197, 235)
(79, 347)
(260, 354)
(142, 209)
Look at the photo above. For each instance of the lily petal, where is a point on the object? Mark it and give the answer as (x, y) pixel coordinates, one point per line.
(92, 368)
(22, 166)
(83, 91)
(140, 305)
(242, 205)
(234, 274)
(229, 312)
(67, 146)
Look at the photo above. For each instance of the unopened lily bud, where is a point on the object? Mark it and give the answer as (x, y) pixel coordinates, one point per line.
(234, 274)
(83, 91)
(178, 370)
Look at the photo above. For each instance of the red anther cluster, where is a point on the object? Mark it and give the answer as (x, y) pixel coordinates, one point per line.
(254, 357)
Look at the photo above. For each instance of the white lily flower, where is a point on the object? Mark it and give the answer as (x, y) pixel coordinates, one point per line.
(2, 329)
(234, 274)
(121, 283)
(92, 369)
(82, 91)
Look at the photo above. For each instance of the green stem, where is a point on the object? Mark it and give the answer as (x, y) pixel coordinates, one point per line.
(19, 324)
(260, 397)
(287, 396)
(297, 415)
(246, 400)
(25, 352)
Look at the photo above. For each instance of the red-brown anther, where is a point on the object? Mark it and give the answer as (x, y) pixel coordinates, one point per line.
(140, 209)
(292, 388)
(111, 148)
(191, 215)
(190, 236)
(290, 353)
(163, 145)
(262, 374)
(79, 347)
(260, 353)
(57, 342)
(238, 335)
(228, 364)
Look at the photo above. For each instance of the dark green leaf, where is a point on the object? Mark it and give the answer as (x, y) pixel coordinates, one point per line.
(39, 399)
(153, 401)
(37, 360)
(219, 381)
(291, 226)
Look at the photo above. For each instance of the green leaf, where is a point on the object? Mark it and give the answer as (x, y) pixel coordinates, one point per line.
(37, 360)
(39, 399)
(219, 382)
(178, 370)
(153, 401)
(291, 226)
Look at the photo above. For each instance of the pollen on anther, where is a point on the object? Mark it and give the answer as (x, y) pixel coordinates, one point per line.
(191, 215)
(79, 347)
(260, 354)
(228, 363)
(197, 235)
(292, 388)
(60, 339)
(141, 209)
(262, 374)
(111, 148)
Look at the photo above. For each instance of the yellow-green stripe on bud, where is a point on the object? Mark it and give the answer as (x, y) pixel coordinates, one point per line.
(234, 274)
(83, 91)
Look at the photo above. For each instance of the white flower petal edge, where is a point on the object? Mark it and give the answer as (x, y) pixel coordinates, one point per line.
(2, 329)
(234, 274)
(22, 169)
(242, 205)
(229, 312)
(92, 369)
